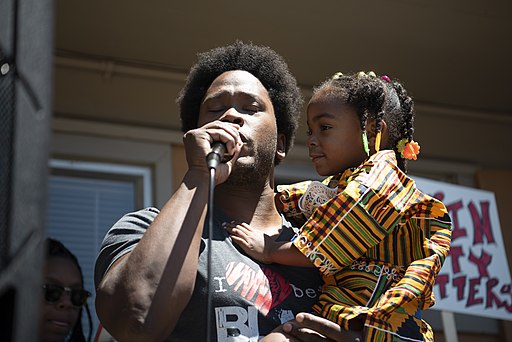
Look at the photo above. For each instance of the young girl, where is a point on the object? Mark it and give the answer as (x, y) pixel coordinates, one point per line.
(377, 240)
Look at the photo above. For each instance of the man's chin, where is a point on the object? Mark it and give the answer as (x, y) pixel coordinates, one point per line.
(252, 171)
(246, 174)
(242, 174)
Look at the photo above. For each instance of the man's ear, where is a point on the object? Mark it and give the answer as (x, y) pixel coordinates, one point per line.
(281, 147)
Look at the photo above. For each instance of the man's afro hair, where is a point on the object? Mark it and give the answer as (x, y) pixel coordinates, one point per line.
(262, 62)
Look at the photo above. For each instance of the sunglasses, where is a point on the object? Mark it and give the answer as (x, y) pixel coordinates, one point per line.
(52, 294)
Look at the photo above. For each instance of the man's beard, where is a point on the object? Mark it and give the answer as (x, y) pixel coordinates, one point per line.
(254, 174)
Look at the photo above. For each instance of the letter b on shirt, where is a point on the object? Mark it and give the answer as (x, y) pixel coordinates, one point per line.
(235, 324)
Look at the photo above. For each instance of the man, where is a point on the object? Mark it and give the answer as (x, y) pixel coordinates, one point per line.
(151, 274)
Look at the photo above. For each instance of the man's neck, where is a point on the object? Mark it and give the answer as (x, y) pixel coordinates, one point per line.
(250, 205)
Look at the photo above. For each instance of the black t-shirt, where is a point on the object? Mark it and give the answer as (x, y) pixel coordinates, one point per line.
(249, 298)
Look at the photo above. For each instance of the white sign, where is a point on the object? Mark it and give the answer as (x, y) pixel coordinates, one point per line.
(475, 278)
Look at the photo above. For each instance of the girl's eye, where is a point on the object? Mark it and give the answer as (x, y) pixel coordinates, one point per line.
(325, 127)
(308, 132)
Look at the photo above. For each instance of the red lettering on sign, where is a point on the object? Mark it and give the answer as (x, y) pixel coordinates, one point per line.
(474, 284)
(455, 253)
(481, 224)
(482, 262)
(457, 231)
(459, 283)
(442, 280)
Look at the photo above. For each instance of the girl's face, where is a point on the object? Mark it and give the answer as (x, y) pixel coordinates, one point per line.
(59, 318)
(335, 135)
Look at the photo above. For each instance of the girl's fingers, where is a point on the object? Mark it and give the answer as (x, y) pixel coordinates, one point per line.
(238, 240)
(246, 226)
(235, 230)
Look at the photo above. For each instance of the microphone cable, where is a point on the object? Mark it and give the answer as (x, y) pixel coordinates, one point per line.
(213, 159)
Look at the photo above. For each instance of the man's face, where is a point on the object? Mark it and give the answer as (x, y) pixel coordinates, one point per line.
(239, 97)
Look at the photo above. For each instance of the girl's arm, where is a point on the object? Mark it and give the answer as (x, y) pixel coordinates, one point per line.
(264, 248)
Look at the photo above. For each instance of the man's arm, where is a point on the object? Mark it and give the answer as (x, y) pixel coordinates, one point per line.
(143, 294)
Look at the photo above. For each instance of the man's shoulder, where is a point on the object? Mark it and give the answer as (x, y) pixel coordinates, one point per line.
(149, 211)
(146, 215)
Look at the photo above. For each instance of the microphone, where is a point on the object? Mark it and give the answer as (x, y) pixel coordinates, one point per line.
(214, 158)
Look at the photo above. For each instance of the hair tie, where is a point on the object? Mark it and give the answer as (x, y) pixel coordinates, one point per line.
(361, 74)
(337, 75)
(377, 141)
(408, 149)
(386, 78)
(365, 144)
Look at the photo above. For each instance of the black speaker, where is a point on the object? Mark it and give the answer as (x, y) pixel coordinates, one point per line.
(26, 50)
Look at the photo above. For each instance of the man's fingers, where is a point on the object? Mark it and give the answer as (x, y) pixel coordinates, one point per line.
(302, 333)
(321, 325)
(227, 133)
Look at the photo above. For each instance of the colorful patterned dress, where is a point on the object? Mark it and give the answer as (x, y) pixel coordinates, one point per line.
(379, 243)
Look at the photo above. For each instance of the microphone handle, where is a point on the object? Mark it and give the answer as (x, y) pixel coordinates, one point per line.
(214, 158)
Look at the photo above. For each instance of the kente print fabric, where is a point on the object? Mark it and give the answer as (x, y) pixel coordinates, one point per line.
(378, 242)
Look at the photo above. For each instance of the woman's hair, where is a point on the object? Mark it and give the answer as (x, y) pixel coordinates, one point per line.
(378, 98)
(264, 64)
(56, 248)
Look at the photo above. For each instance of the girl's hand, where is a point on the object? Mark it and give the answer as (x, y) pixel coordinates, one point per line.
(255, 243)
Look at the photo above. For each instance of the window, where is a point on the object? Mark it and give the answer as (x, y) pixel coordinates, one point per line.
(84, 201)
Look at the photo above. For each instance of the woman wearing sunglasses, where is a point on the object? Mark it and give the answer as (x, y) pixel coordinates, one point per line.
(64, 296)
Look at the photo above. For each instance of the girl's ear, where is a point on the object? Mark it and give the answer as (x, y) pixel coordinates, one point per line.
(281, 147)
(371, 132)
